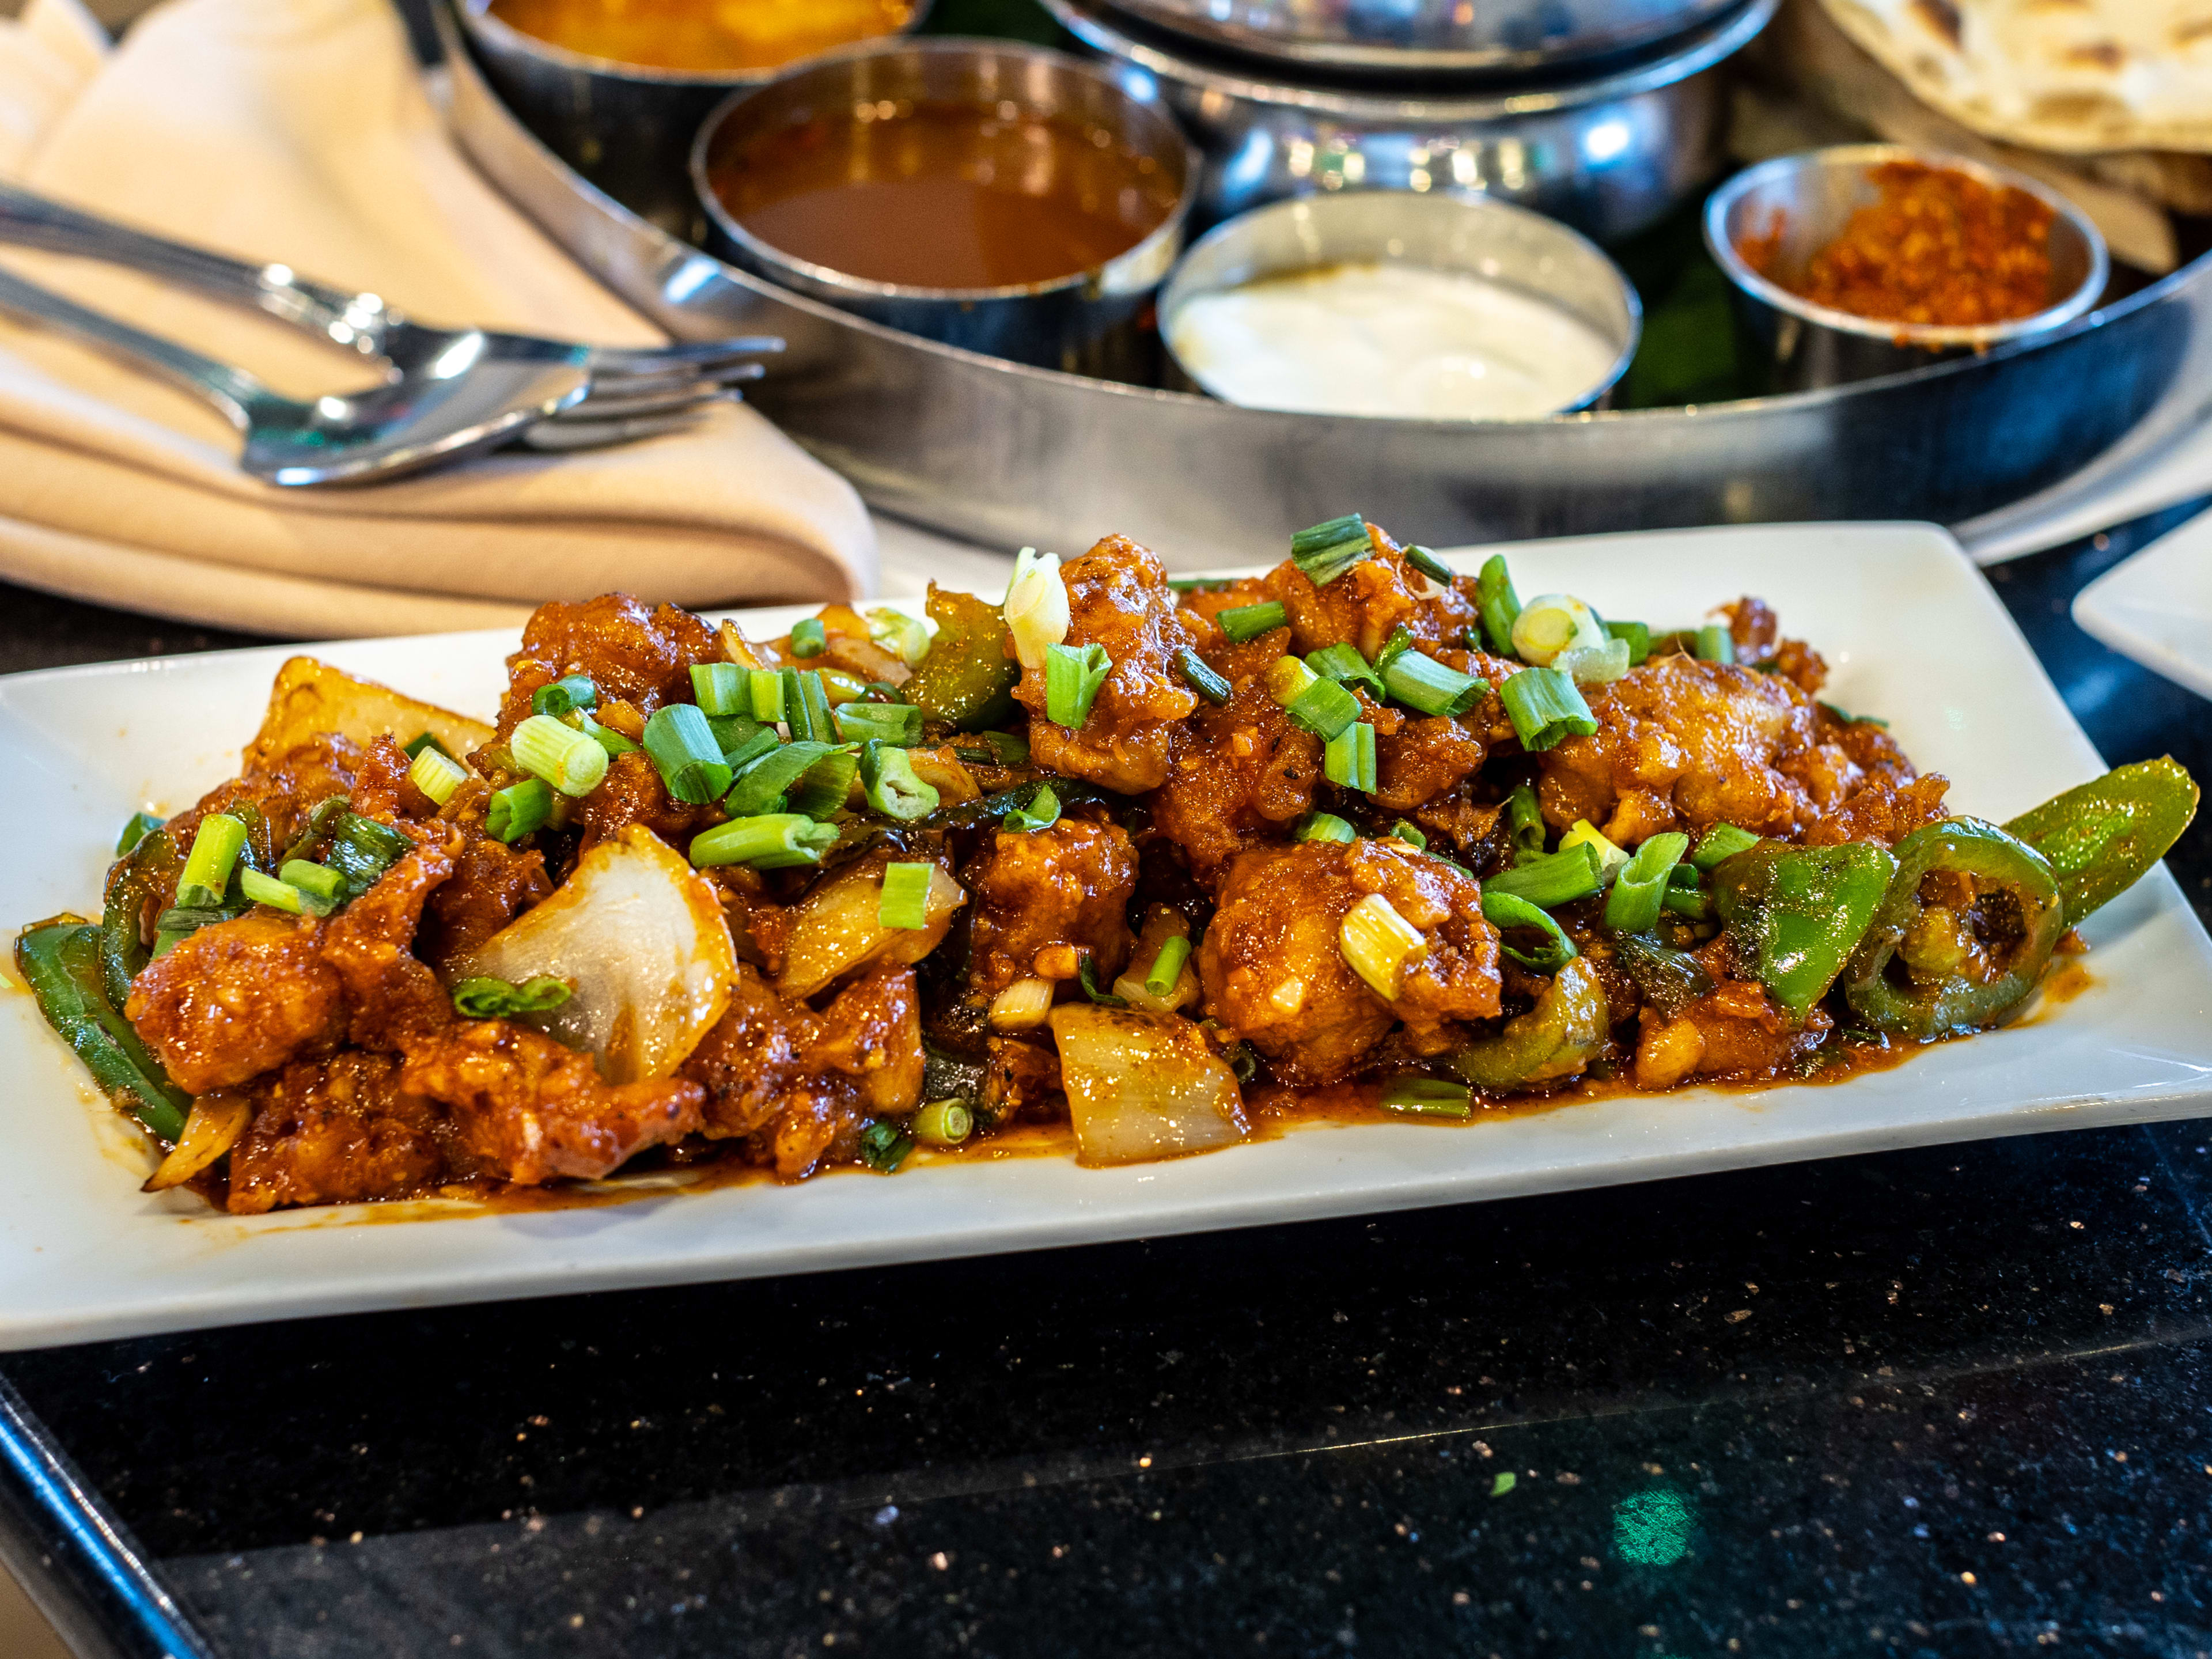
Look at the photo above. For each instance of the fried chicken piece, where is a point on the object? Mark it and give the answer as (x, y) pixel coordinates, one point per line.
(632, 654)
(633, 793)
(530, 1111)
(1682, 743)
(275, 801)
(1758, 638)
(1244, 772)
(1370, 602)
(492, 883)
(237, 998)
(342, 1131)
(391, 996)
(1118, 597)
(1021, 1080)
(1882, 812)
(1275, 973)
(801, 1086)
(1042, 900)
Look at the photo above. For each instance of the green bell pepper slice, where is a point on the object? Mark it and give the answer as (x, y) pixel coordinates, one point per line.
(1931, 998)
(968, 675)
(2103, 837)
(60, 962)
(147, 870)
(1558, 1037)
(1794, 914)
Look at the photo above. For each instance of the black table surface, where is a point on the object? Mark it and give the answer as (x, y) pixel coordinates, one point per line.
(1945, 1401)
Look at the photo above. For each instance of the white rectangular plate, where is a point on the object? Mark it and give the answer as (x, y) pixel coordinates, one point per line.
(2156, 606)
(1911, 630)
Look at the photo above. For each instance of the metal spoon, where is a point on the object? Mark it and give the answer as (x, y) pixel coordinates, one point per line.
(467, 401)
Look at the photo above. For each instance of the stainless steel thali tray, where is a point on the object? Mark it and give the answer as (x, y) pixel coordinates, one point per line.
(1005, 455)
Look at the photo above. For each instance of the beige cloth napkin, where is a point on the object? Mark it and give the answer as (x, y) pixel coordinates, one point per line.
(298, 130)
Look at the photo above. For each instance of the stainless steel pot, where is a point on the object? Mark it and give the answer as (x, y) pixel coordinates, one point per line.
(1609, 156)
(617, 123)
(1426, 37)
(1812, 197)
(1084, 323)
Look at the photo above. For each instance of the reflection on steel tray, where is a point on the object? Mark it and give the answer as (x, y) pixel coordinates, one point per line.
(1005, 455)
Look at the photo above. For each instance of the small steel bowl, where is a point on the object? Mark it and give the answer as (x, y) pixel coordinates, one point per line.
(617, 123)
(1496, 241)
(1428, 36)
(1610, 154)
(1807, 346)
(1084, 323)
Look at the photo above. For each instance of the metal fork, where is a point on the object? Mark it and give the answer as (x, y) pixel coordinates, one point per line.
(467, 403)
(631, 387)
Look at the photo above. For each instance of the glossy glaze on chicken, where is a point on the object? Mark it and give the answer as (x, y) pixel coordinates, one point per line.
(1118, 853)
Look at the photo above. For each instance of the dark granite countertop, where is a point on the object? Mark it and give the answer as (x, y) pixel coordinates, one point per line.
(1945, 1401)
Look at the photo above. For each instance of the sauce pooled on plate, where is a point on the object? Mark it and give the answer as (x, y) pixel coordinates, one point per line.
(944, 195)
(704, 37)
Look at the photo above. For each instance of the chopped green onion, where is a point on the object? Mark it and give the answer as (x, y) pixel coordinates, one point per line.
(1427, 1097)
(1429, 565)
(1639, 891)
(1244, 623)
(1323, 826)
(565, 696)
(1594, 665)
(1555, 878)
(942, 1123)
(1715, 643)
(826, 787)
(1201, 679)
(1321, 707)
(741, 747)
(1166, 971)
(1343, 663)
(806, 706)
(721, 689)
(896, 723)
(1524, 823)
(1834, 713)
(1639, 637)
(1422, 682)
(1687, 902)
(1087, 976)
(572, 762)
(776, 841)
(904, 903)
(322, 887)
(1011, 748)
(1349, 760)
(684, 751)
(760, 788)
(605, 735)
(1071, 680)
(893, 789)
(517, 809)
(1552, 623)
(809, 638)
(425, 741)
(437, 774)
(896, 632)
(1546, 709)
(1326, 550)
(267, 889)
(1500, 604)
(485, 998)
(361, 850)
(142, 825)
(1723, 841)
(1198, 583)
(1041, 813)
(1410, 835)
(764, 686)
(1378, 943)
(215, 846)
(1611, 858)
(1505, 911)
(884, 1147)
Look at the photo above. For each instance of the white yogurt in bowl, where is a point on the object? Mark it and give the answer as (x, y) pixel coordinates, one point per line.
(1400, 306)
(1388, 338)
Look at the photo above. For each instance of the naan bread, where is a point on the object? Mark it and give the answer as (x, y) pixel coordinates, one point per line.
(2077, 76)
